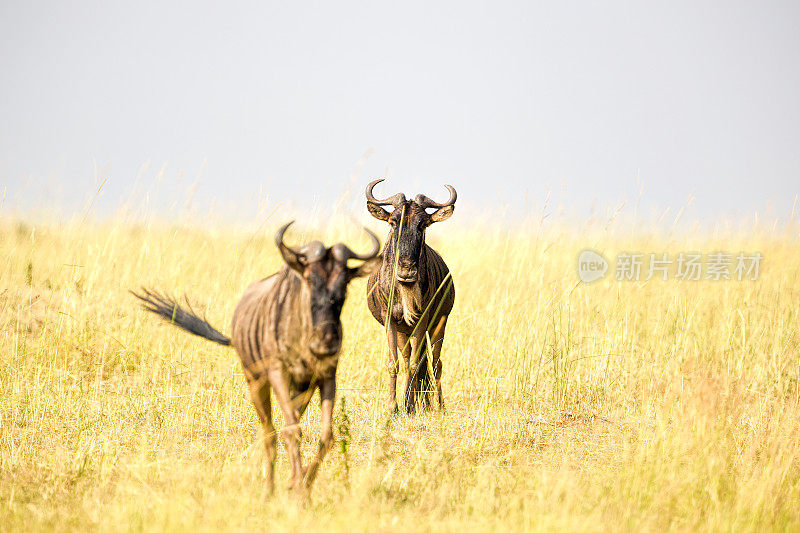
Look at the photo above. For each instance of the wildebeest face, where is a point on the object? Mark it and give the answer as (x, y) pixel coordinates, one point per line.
(405, 240)
(327, 280)
(326, 274)
(408, 222)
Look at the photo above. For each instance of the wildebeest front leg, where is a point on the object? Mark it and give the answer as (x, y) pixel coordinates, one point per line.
(301, 397)
(391, 336)
(416, 340)
(291, 432)
(404, 345)
(259, 395)
(437, 338)
(327, 393)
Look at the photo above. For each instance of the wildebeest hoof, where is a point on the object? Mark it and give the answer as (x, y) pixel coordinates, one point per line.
(411, 408)
(267, 492)
(298, 488)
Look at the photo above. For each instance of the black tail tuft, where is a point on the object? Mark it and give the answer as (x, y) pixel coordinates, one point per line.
(168, 309)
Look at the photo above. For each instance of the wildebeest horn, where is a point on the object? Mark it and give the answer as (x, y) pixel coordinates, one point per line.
(395, 200)
(291, 255)
(424, 201)
(343, 252)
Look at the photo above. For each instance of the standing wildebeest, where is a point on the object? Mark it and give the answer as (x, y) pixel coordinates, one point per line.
(414, 279)
(287, 332)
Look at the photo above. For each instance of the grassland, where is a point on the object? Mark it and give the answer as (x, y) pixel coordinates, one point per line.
(612, 405)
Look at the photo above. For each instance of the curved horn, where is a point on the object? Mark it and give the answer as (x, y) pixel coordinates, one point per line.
(279, 236)
(392, 200)
(343, 252)
(291, 255)
(424, 201)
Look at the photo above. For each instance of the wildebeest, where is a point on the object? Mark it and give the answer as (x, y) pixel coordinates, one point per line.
(414, 281)
(287, 332)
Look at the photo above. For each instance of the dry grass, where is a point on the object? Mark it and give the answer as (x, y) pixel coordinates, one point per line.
(644, 405)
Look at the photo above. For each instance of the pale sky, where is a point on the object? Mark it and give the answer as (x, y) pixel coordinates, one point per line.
(280, 100)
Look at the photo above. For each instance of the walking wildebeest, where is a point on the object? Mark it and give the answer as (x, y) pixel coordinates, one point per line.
(287, 332)
(414, 279)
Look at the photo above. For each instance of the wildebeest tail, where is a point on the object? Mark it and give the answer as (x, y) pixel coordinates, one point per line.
(168, 309)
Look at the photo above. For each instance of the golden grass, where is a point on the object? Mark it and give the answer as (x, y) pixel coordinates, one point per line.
(639, 405)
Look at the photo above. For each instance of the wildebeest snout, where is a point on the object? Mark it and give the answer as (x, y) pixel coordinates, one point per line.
(326, 339)
(407, 271)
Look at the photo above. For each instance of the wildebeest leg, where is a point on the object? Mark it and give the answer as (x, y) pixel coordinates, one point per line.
(391, 336)
(327, 394)
(301, 397)
(259, 395)
(416, 340)
(291, 432)
(437, 338)
(404, 344)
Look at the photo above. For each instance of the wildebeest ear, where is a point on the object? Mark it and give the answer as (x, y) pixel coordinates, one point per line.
(442, 214)
(378, 212)
(366, 268)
